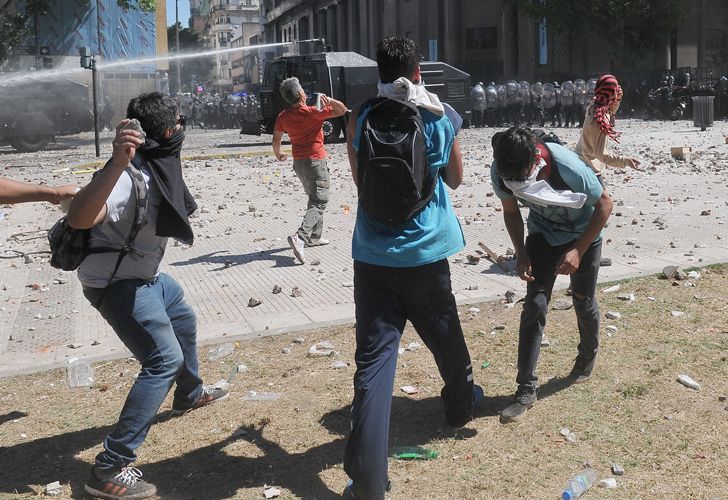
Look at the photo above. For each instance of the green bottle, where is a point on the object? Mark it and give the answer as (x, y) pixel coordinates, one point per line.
(413, 453)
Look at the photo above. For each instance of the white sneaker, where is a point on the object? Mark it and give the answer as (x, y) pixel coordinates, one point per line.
(297, 245)
(318, 243)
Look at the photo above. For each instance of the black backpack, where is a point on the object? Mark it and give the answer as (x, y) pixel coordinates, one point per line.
(394, 180)
(69, 246)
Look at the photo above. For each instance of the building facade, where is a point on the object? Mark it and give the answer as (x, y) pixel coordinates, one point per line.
(490, 39)
(220, 23)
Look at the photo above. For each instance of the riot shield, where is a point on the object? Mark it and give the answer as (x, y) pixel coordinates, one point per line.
(491, 98)
(502, 96)
(580, 97)
(567, 93)
(591, 86)
(524, 89)
(549, 95)
(512, 92)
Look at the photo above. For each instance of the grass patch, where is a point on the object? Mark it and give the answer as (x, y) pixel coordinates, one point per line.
(633, 412)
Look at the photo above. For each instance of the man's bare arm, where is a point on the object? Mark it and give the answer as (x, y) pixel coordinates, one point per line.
(453, 173)
(351, 152)
(21, 192)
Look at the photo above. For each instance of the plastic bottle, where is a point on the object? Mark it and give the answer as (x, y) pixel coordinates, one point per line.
(262, 396)
(80, 373)
(579, 484)
(413, 453)
(221, 351)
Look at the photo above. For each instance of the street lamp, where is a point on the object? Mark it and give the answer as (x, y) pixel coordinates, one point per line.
(176, 36)
(88, 61)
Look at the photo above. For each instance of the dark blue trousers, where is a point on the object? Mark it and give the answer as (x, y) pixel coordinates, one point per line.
(385, 298)
(544, 259)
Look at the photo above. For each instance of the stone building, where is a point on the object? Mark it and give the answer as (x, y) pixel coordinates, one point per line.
(219, 22)
(490, 39)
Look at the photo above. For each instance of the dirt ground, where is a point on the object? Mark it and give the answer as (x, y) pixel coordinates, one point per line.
(671, 440)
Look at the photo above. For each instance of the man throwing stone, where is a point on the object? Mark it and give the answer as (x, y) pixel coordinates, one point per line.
(303, 124)
(568, 208)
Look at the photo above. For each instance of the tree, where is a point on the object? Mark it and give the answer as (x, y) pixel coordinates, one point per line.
(630, 30)
(194, 68)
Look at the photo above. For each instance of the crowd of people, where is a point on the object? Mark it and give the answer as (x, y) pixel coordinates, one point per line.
(218, 111)
(564, 104)
(404, 154)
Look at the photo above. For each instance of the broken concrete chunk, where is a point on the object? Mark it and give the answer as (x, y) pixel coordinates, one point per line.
(324, 348)
(677, 314)
(408, 389)
(608, 483)
(473, 259)
(562, 305)
(296, 292)
(614, 315)
(277, 289)
(629, 297)
(610, 289)
(253, 302)
(617, 470)
(53, 489)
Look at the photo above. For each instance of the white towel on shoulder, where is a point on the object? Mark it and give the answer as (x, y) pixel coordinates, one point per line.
(404, 90)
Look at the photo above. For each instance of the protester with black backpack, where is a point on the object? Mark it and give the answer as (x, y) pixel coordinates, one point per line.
(402, 151)
(568, 208)
(146, 308)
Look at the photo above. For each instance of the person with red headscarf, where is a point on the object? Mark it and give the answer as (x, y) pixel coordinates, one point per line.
(599, 126)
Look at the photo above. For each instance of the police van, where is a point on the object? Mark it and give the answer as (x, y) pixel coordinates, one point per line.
(350, 78)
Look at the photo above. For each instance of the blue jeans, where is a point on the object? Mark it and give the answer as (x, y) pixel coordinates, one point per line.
(157, 325)
(385, 298)
(544, 259)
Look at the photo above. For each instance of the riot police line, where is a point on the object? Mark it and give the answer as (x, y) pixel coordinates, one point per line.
(219, 111)
(564, 105)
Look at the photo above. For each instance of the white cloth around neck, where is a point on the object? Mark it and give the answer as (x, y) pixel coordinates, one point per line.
(404, 90)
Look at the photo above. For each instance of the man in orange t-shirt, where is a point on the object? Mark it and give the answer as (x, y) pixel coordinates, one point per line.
(303, 124)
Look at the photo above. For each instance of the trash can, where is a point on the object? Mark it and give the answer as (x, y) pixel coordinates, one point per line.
(703, 111)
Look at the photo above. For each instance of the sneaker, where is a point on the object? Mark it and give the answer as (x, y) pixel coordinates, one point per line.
(349, 490)
(297, 245)
(126, 483)
(478, 397)
(210, 394)
(318, 243)
(582, 369)
(515, 412)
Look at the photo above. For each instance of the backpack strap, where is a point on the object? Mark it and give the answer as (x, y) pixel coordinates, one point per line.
(140, 211)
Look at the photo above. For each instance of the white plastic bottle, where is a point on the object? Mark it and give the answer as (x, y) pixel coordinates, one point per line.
(579, 484)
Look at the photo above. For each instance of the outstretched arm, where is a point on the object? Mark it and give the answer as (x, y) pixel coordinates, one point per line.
(22, 192)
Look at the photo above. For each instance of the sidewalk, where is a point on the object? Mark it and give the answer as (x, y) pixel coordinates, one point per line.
(251, 204)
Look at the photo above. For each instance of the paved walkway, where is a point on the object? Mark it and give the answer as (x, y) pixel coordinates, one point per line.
(250, 204)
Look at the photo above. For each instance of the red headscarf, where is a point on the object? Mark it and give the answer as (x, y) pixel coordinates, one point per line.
(605, 94)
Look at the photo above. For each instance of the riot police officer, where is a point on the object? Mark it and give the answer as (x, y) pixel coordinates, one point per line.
(491, 105)
(567, 103)
(477, 96)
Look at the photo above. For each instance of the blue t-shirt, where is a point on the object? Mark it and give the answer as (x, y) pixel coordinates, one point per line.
(434, 233)
(559, 225)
